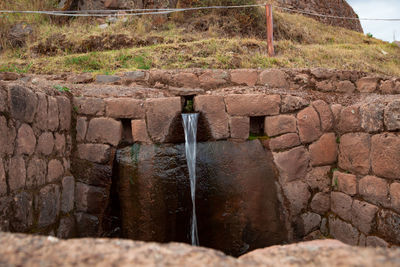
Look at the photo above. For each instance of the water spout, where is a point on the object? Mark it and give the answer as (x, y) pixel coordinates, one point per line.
(190, 126)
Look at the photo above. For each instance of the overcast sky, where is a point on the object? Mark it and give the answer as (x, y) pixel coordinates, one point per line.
(379, 9)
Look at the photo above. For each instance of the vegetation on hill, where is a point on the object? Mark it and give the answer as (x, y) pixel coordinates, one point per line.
(206, 39)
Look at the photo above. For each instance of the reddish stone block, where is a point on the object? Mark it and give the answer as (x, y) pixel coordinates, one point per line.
(104, 130)
(374, 189)
(49, 205)
(325, 115)
(54, 171)
(325, 86)
(139, 131)
(213, 109)
(36, 173)
(354, 152)
(310, 222)
(350, 120)
(321, 203)
(363, 215)
(23, 103)
(318, 178)
(376, 242)
(16, 173)
(388, 226)
(292, 164)
(41, 113)
(273, 78)
(395, 196)
(321, 73)
(336, 110)
(253, 105)
(280, 124)
(81, 129)
(346, 183)
(240, 127)
(385, 156)
(45, 143)
(372, 117)
(341, 205)
(64, 108)
(52, 113)
(298, 195)
(392, 116)
(309, 125)
(345, 87)
(91, 199)
(390, 87)
(3, 182)
(284, 142)
(367, 84)
(212, 79)
(59, 144)
(7, 137)
(98, 153)
(324, 151)
(26, 140)
(293, 103)
(89, 105)
(186, 79)
(343, 231)
(244, 76)
(125, 108)
(22, 217)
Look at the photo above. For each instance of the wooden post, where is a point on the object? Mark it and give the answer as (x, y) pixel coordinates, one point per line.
(270, 30)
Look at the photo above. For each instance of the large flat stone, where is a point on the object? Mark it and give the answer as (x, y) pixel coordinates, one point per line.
(354, 150)
(292, 164)
(23, 103)
(125, 108)
(104, 130)
(385, 155)
(252, 105)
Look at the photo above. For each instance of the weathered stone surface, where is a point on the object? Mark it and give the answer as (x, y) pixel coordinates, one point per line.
(81, 128)
(341, 205)
(321, 203)
(388, 87)
(298, 194)
(325, 86)
(308, 124)
(292, 103)
(292, 164)
(213, 79)
(91, 199)
(362, 240)
(161, 114)
(343, 231)
(66, 228)
(45, 143)
(374, 241)
(107, 78)
(68, 193)
(350, 120)
(23, 103)
(325, 114)
(318, 178)
(81, 78)
(345, 87)
(186, 79)
(388, 226)
(385, 155)
(98, 153)
(26, 140)
(273, 78)
(36, 172)
(367, 84)
(22, 218)
(89, 105)
(244, 76)
(64, 109)
(336, 110)
(41, 114)
(52, 114)
(346, 183)
(253, 105)
(324, 151)
(392, 116)
(354, 152)
(104, 130)
(374, 189)
(92, 173)
(5, 213)
(7, 137)
(54, 171)
(372, 117)
(49, 205)
(3, 182)
(213, 109)
(125, 108)
(59, 144)
(3, 99)
(239, 127)
(284, 142)
(133, 76)
(395, 196)
(363, 215)
(16, 173)
(280, 124)
(139, 131)
(86, 224)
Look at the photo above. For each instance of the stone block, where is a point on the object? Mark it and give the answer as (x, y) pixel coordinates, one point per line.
(372, 117)
(107, 78)
(240, 127)
(336, 110)
(253, 105)
(67, 194)
(125, 108)
(22, 205)
(104, 130)
(3, 181)
(388, 226)
(324, 151)
(212, 79)
(60, 144)
(385, 155)
(54, 170)
(284, 142)
(41, 114)
(325, 86)
(98, 153)
(89, 106)
(64, 109)
(213, 109)
(341, 205)
(395, 196)
(293, 103)
(80, 78)
(161, 114)
(16, 173)
(367, 84)
(52, 114)
(49, 205)
(375, 190)
(310, 222)
(5, 213)
(318, 178)
(343, 231)
(81, 129)
(244, 77)
(292, 164)
(376, 242)
(345, 87)
(281, 124)
(273, 78)
(66, 228)
(321, 73)
(26, 140)
(45, 144)
(91, 199)
(186, 79)
(134, 76)
(87, 225)
(36, 173)
(354, 150)
(23, 103)
(309, 126)
(350, 120)
(346, 183)
(325, 114)
(363, 215)
(390, 87)
(139, 131)
(3, 100)
(7, 137)
(321, 203)
(392, 116)
(298, 194)
(92, 173)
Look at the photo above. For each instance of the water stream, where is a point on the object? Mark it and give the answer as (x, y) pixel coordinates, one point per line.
(190, 126)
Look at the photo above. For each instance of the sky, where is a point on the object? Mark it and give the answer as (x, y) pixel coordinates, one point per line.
(379, 9)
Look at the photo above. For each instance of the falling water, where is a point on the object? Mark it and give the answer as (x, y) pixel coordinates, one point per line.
(190, 126)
